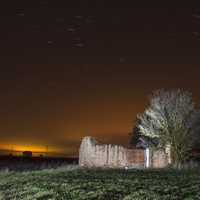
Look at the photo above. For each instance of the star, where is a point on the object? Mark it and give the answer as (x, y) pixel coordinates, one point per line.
(78, 17)
(71, 29)
(20, 14)
(122, 59)
(79, 45)
(49, 42)
(196, 16)
(196, 33)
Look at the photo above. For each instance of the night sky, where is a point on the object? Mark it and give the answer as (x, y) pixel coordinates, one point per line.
(69, 69)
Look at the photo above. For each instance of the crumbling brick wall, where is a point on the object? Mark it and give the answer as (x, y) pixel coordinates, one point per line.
(92, 154)
(158, 159)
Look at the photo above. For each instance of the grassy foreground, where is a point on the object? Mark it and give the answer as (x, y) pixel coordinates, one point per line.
(100, 185)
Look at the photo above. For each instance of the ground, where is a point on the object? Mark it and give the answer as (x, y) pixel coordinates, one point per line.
(81, 184)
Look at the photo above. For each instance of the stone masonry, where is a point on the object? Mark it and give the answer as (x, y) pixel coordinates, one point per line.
(93, 154)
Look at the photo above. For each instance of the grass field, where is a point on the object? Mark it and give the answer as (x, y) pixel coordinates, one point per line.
(79, 184)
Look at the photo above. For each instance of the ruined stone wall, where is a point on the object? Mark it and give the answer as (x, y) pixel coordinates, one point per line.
(159, 159)
(92, 154)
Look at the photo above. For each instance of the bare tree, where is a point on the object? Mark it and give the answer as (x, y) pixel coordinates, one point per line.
(173, 120)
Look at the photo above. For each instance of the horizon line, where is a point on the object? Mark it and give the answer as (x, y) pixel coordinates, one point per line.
(37, 152)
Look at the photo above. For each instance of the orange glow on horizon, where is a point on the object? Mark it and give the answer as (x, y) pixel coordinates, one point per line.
(34, 149)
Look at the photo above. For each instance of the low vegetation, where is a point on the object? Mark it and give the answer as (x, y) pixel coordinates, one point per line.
(82, 184)
(19, 163)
